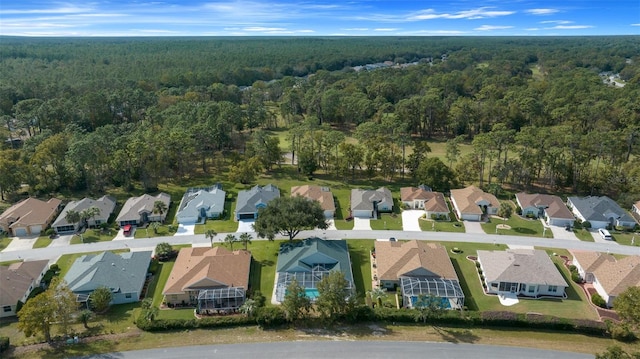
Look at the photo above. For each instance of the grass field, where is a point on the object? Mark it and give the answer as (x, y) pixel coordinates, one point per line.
(626, 238)
(583, 235)
(4, 242)
(42, 242)
(93, 236)
(519, 227)
(359, 251)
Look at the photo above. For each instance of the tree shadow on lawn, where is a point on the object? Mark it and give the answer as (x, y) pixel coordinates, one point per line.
(469, 301)
(457, 335)
(358, 259)
(320, 328)
(118, 312)
(523, 230)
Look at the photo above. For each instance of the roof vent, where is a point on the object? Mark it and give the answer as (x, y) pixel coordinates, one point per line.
(113, 264)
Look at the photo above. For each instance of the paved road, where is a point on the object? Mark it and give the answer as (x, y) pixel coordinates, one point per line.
(343, 349)
(200, 240)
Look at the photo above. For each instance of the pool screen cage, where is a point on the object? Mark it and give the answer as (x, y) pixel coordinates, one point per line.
(230, 298)
(412, 287)
(304, 279)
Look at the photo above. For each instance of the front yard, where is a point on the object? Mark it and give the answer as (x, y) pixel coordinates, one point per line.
(518, 227)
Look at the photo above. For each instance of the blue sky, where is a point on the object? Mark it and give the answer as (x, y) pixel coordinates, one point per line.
(319, 18)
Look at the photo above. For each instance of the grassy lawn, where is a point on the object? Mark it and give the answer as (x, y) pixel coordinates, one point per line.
(359, 251)
(263, 266)
(162, 231)
(625, 238)
(156, 286)
(391, 221)
(4, 242)
(583, 235)
(519, 227)
(181, 313)
(93, 236)
(42, 241)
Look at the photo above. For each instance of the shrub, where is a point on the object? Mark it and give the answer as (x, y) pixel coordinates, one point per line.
(4, 344)
(597, 300)
(267, 317)
(518, 211)
(575, 276)
(258, 298)
(622, 333)
(49, 232)
(577, 225)
(586, 224)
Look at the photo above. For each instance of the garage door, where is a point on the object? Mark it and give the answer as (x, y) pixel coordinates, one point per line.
(36, 229)
(20, 232)
(246, 216)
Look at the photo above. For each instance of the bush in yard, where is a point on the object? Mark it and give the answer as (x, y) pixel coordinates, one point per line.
(586, 224)
(267, 317)
(597, 300)
(4, 344)
(622, 333)
(258, 298)
(575, 276)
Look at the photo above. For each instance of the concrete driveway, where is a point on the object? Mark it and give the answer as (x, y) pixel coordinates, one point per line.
(598, 239)
(332, 225)
(246, 225)
(562, 233)
(473, 227)
(61, 240)
(411, 219)
(19, 244)
(120, 235)
(185, 229)
(363, 224)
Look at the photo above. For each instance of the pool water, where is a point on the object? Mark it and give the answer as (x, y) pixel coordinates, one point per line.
(311, 293)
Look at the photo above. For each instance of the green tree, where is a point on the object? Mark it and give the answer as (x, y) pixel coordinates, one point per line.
(307, 162)
(334, 298)
(154, 226)
(428, 306)
(164, 251)
(420, 151)
(288, 216)
(505, 211)
(296, 304)
(210, 234)
(73, 217)
(11, 171)
(627, 305)
(377, 294)
(245, 238)
(434, 173)
(159, 207)
(100, 299)
(245, 171)
(616, 352)
(248, 308)
(230, 239)
(453, 150)
(84, 317)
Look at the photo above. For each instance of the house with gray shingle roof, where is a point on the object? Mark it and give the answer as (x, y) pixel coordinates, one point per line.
(200, 203)
(123, 273)
(549, 207)
(308, 261)
(368, 203)
(609, 275)
(249, 202)
(526, 272)
(17, 280)
(140, 210)
(600, 212)
(106, 205)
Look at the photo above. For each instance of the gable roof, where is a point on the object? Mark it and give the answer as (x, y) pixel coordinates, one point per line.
(615, 275)
(30, 211)
(210, 198)
(208, 268)
(301, 256)
(248, 200)
(434, 201)
(413, 259)
(553, 206)
(531, 266)
(16, 279)
(123, 272)
(135, 206)
(362, 199)
(600, 209)
(467, 198)
(105, 204)
(320, 194)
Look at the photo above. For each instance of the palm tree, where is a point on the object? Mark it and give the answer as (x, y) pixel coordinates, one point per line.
(73, 217)
(377, 294)
(248, 307)
(93, 212)
(211, 234)
(229, 239)
(154, 226)
(84, 317)
(159, 207)
(245, 238)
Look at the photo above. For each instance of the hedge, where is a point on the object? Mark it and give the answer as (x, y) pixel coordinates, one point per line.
(4, 344)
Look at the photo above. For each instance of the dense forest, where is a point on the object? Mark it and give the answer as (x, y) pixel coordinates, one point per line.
(89, 114)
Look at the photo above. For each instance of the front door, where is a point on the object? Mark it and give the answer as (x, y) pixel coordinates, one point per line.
(514, 287)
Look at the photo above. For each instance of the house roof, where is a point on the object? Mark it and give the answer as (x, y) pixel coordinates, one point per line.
(208, 268)
(320, 194)
(105, 204)
(413, 259)
(434, 201)
(615, 275)
(16, 279)
(210, 198)
(28, 212)
(135, 206)
(466, 199)
(553, 206)
(362, 199)
(249, 200)
(637, 205)
(600, 209)
(123, 272)
(301, 256)
(520, 266)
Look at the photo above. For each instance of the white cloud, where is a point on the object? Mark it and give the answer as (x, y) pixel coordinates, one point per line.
(559, 22)
(569, 27)
(638, 24)
(263, 29)
(541, 11)
(480, 13)
(492, 27)
(357, 29)
(435, 32)
(385, 29)
(532, 29)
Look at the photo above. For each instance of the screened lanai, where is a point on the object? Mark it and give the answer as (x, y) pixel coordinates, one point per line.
(307, 280)
(447, 289)
(220, 299)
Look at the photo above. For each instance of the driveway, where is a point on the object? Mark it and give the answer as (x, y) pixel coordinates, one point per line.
(411, 220)
(185, 229)
(332, 225)
(598, 239)
(562, 233)
(362, 224)
(245, 225)
(19, 244)
(61, 240)
(120, 235)
(473, 227)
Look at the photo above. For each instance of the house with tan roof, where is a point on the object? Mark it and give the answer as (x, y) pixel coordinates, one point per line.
(422, 197)
(105, 205)
(140, 210)
(212, 279)
(29, 217)
(419, 269)
(609, 275)
(17, 282)
(472, 203)
(317, 193)
(635, 211)
(524, 272)
(549, 207)
(368, 203)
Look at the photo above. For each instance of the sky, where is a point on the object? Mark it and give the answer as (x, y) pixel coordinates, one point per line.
(320, 18)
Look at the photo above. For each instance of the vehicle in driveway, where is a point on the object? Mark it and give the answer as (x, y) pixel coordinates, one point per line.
(126, 230)
(392, 239)
(605, 234)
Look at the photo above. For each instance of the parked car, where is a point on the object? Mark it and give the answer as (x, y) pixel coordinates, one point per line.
(127, 229)
(392, 239)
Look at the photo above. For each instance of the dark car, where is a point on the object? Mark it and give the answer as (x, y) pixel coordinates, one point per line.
(392, 239)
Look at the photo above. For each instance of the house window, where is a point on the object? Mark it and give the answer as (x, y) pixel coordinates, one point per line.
(127, 295)
(532, 288)
(553, 288)
(6, 308)
(494, 285)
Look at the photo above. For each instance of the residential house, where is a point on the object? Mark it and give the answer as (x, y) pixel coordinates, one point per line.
(317, 193)
(200, 203)
(308, 261)
(549, 207)
(249, 202)
(123, 273)
(524, 272)
(29, 217)
(422, 197)
(472, 203)
(635, 211)
(368, 203)
(17, 281)
(609, 275)
(209, 278)
(419, 269)
(106, 205)
(601, 212)
(140, 210)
